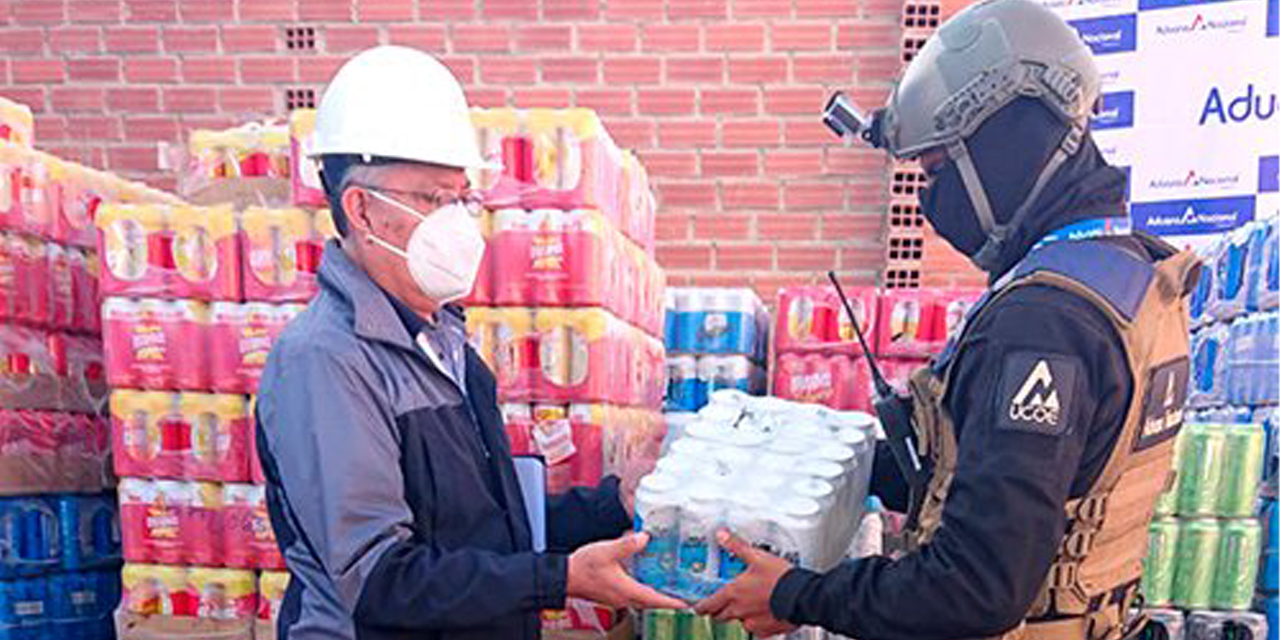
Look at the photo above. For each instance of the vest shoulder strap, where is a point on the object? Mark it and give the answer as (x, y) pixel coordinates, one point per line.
(1115, 273)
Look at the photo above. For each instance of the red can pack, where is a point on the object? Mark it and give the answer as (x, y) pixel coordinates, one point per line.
(202, 526)
(911, 322)
(482, 289)
(588, 423)
(587, 238)
(135, 422)
(553, 440)
(206, 253)
(515, 352)
(134, 245)
(827, 379)
(219, 425)
(512, 253)
(152, 515)
(575, 355)
(154, 344)
(12, 167)
(85, 306)
(280, 259)
(240, 339)
(61, 287)
(518, 419)
(36, 218)
(32, 282)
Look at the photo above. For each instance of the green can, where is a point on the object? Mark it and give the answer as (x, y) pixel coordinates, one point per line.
(730, 631)
(1244, 451)
(661, 624)
(695, 627)
(1159, 566)
(1197, 555)
(1201, 470)
(1237, 570)
(1167, 504)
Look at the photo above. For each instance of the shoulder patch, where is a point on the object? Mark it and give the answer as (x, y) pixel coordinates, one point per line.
(1036, 392)
(1162, 407)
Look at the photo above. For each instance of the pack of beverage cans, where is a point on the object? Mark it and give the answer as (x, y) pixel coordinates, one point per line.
(188, 435)
(787, 477)
(197, 523)
(76, 605)
(692, 379)
(716, 321)
(44, 534)
(53, 451)
(44, 284)
(581, 443)
(17, 125)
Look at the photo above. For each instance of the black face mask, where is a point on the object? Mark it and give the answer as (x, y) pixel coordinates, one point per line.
(947, 207)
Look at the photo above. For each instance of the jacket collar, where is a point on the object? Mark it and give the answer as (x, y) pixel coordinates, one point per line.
(374, 316)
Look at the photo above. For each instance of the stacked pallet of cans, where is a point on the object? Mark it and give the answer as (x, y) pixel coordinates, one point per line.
(194, 298)
(1212, 546)
(59, 530)
(716, 339)
(818, 358)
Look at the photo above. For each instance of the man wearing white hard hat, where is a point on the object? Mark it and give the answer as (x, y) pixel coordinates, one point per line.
(390, 480)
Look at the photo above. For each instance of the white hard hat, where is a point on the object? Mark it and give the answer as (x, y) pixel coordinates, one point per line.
(400, 103)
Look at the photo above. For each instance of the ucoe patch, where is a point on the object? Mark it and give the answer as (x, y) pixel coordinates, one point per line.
(1036, 392)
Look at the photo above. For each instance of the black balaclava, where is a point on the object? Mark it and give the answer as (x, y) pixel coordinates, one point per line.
(1009, 150)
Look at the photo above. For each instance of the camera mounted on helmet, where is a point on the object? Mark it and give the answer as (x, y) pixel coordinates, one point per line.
(846, 120)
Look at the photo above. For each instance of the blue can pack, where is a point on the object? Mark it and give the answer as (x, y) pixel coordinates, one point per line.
(724, 372)
(24, 602)
(683, 392)
(682, 329)
(29, 537)
(1256, 268)
(1271, 607)
(1201, 298)
(90, 531)
(727, 322)
(1209, 366)
(1230, 265)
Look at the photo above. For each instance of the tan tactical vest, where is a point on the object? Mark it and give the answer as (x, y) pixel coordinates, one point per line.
(1094, 579)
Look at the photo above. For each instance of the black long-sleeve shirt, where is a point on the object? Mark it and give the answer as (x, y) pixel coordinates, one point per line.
(1004, 519)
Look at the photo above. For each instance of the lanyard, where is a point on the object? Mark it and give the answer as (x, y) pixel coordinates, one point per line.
(1087, 229)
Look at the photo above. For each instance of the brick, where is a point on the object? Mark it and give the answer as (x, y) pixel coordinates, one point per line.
(489, 98)
(751, 133)
(428, 37)
(751, 195)
(319, 69)
(50, 128)
(26, 12)
(671, 164)
(852, 161)
(246, 38)
(268, 70)
(894, 8)
(325, 10)
(213, 70)
(672, 226)
(32, 96)
(767, 285)
(151, 11)
(806, 132)
(151, 70)
(730, 163)
(481, 38)
(275, 11)
(729, 101)
(508, 70)
(878, 68)
(689, 9)
(787, 226)
(826, 8)
(721, 226)
(151, 128)
(207, 11)
(570, 9)
(29, 40)
(191, 39)
(349, 38)
(632, 133)
(209, 121)
(38, 71)
(576, 70)
(762, 8)
(385, 10)
(665, 101)
(787, 162)
(813, 195)
(807, 258)
(96, 11)
(94, 70)
(93, 128)
(863, 258)
(544, 38)
(190, 100)
(758, 69)
(464, 69)
(671, 37)
(94, 156)
(834, 69)
(133, 39)
(632, 70)
(635, 10)
(685, 194)
(871, 96)
(508, 10)
(74, 39)
(606, 37)
(251, 101)
(869, 35)
(794, 100)
(605, 101)
(744, 256)
(434, 10)
(702, 70)
(682, 134)
(684, 257)
(550, 98)
(65, 99)
(132, 158)
(734, 37)
(845, 227)
(800, 37)
(134, 99)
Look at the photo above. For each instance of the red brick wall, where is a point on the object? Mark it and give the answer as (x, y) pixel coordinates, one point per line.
(720, 97)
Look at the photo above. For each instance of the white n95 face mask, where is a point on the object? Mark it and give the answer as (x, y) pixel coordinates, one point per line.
(444, 250)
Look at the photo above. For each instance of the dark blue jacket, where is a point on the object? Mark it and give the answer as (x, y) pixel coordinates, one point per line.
(392, 490)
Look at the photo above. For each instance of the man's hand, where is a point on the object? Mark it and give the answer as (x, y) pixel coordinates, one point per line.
(596, 574)
(747, 597)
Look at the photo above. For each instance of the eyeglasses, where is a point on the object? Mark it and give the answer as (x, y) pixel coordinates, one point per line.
(470, 200)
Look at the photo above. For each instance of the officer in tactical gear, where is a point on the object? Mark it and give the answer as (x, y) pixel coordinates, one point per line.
(1046, 427)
